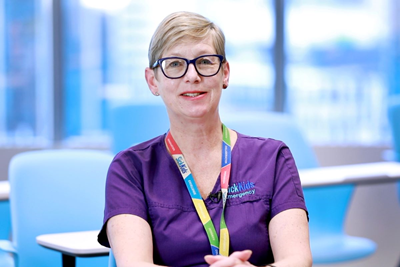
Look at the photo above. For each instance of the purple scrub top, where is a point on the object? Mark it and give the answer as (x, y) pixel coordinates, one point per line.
(144, 180)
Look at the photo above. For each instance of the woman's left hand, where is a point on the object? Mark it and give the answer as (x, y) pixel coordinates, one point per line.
(237, 259)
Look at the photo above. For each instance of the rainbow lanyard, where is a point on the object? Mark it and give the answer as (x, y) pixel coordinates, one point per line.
(221, 246)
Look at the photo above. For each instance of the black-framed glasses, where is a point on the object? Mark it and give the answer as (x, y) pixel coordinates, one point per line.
(176, 67)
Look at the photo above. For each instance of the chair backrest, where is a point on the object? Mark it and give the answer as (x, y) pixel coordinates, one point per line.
(5, 221)
(278, 126)
(56, 191)
(134, 123)
(327, 206)
(394, 121)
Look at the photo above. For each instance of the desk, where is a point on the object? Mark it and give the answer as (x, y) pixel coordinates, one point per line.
(369, 173)
(4, 190)
(72, 245)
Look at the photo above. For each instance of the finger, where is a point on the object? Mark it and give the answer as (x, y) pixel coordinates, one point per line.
(210, 259)
(226, 262)
(242, 255)
(237, 257)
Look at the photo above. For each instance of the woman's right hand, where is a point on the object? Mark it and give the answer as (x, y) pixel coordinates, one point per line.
(236, 259)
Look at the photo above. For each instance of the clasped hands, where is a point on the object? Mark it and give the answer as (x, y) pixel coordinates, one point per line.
(236, 259)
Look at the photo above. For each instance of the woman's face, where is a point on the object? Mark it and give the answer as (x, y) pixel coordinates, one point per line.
(191, 96)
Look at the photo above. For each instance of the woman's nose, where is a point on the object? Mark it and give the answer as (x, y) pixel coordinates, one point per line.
(192, 73)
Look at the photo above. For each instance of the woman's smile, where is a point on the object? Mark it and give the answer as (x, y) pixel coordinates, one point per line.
(193, 94)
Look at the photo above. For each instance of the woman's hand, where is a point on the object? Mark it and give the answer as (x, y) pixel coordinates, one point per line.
(237, 259)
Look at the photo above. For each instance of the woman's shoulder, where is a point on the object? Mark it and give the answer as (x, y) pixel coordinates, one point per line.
(248, 141)
(147, 149)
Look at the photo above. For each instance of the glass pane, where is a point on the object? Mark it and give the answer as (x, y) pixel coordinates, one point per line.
(103, 61)
(337, 69)
(84, 104)
(25, 76)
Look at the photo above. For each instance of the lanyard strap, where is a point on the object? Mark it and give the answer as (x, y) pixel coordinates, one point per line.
(221, 246)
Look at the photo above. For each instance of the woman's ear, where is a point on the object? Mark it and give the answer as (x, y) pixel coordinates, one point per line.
(226, 73)
(151, 81)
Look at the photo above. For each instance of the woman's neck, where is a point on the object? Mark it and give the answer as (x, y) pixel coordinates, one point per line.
(197, 136)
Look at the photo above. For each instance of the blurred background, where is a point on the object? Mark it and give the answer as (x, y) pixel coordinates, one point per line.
(331, 64)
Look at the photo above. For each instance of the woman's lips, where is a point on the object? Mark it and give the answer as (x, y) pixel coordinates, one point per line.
(192, 94)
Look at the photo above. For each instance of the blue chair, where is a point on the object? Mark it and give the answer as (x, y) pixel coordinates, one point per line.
(394, 122)
(327, 206)
(135, 123)
(5, 222)
(55, 191)
(5, 231)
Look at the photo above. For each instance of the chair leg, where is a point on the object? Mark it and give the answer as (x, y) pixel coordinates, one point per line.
(68, 261)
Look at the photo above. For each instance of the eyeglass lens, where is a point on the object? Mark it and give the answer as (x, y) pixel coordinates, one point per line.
(177, 67)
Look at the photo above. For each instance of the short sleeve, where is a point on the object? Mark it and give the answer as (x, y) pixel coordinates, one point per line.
(287, 193)
(124, 192)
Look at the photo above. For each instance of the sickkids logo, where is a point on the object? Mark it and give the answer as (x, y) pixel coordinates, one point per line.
(241, 189)
(181, 164)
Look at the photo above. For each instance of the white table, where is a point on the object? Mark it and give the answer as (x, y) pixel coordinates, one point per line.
(72, 245)
(369, 173)
(4, 190)
(377, 172)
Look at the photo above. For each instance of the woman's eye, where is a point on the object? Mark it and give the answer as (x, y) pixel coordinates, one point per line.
(174, 64)
(204, 61)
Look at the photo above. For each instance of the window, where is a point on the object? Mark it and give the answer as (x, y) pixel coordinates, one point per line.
(340, 55)
(337, 69)
(105, 54)
(249, 37)
(25, 95)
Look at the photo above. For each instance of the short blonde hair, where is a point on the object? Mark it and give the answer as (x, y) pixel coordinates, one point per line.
(184, 25)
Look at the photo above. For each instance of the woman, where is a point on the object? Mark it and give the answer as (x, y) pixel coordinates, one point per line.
(177, 200)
